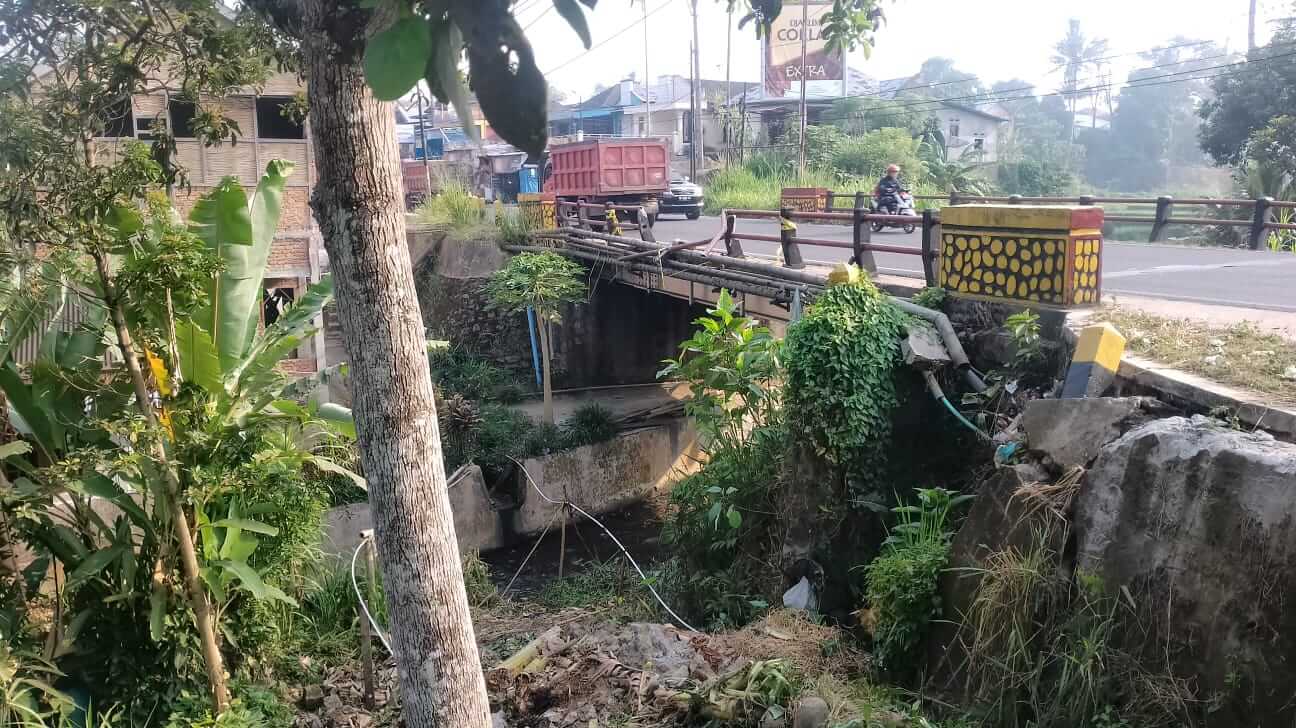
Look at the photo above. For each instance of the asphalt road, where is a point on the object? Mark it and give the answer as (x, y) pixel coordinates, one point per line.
(1244, 278)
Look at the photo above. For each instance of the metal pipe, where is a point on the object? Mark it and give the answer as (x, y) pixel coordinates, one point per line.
(948, 337)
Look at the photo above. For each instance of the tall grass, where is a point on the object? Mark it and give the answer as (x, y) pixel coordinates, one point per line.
(453, 205)
(740, 188)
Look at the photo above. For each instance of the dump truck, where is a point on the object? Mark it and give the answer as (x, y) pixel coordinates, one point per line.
(620, 171)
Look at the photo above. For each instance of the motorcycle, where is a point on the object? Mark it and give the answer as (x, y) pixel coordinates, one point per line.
(901, 203)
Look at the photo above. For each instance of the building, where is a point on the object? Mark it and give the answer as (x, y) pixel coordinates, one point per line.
(978, 131)
(268, 131)
(661, 109)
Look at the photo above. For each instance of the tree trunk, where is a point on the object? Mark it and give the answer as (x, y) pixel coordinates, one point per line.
(544, 360)
(358, 203)
(179, 520)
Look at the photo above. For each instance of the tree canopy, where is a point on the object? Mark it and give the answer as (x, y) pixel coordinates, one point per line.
(1248, 96)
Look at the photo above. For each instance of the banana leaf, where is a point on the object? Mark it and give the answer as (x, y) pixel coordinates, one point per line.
(241, 234)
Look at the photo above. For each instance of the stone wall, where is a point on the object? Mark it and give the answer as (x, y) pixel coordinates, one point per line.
(619, 337)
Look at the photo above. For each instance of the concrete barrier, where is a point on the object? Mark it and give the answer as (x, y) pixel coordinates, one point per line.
(599, 478)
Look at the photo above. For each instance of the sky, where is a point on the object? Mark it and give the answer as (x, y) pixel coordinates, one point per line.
(995, 39)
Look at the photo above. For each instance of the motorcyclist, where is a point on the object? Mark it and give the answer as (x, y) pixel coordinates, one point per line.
(888, 189)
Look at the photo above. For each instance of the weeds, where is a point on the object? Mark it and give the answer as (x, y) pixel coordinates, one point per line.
(901, 583)
(741, 188)
(1241, 355)
(1028, 344)
(453, 205)
(604, 585)
(932, 297)
(589, 424)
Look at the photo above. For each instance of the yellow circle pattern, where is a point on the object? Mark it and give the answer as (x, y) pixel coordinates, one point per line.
(1022, 268)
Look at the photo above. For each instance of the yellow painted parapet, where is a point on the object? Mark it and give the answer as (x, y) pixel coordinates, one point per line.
(804, 199)
(1097, 357)
(1048, 256)
(540, 210)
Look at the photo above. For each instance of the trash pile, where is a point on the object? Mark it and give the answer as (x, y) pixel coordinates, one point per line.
(582, 674)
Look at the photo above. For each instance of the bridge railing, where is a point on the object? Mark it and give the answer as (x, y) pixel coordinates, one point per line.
(861, 245)
(605, 218)
(1260, 220)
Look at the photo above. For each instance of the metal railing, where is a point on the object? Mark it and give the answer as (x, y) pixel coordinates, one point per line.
(1259, 223)
(609, 218)
(861, 245)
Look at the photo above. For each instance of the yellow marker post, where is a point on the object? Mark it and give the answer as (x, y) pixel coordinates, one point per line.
(1093, 367)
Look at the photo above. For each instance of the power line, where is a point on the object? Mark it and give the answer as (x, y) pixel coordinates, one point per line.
(1002, 95)
(608, 39)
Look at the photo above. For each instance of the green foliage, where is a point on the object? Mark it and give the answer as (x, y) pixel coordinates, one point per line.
(840, 360)
(455, 371)
(250, 707)
(901, 583)
(589, 424)
(28, 698)
(543, 281)
(953, 175)
(452, 205)
(514, 227)
(1033, 178)
(932, 297)
(609, 584)
(758, 185)
(731, 364)
(1247, 101)
(868, 155)
(1028, 344)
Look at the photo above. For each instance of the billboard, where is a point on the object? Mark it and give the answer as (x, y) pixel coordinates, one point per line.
(823, 71)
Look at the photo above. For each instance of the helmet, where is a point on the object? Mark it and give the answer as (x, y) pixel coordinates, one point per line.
(892, 168)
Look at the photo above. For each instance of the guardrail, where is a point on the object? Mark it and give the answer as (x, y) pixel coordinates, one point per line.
(1259, 223)
(861, 246)
(611, 219)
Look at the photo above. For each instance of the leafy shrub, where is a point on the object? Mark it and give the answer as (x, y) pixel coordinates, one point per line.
(590, 423)
(544, 439)
(455, 371)
(901, 583)
(932, 297)
(868, 155)
(839, 390)
(453, 205)
(251, 706)
(1028, 345)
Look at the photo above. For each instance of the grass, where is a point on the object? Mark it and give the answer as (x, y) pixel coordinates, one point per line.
(738, 188)
(453, 205)
(1240, 355)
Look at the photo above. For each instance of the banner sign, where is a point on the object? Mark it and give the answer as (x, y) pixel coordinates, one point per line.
(783, 71)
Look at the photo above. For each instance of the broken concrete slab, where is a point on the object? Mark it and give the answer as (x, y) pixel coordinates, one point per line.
(922, 347)
(1070, 432)
(1198, 522)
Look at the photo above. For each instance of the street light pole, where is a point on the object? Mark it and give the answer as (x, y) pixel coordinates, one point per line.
(647, 78)
(801, 145)
(695, 145)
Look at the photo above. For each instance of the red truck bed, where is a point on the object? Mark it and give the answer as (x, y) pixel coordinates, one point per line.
(606, 167)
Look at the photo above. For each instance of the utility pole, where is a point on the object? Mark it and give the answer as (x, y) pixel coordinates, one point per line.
(695, 145)
(647, 78)
(1251, 20)
(728, 88)
(801, 146)
(427, 170)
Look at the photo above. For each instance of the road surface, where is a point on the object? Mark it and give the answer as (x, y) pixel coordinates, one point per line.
(1225, 277)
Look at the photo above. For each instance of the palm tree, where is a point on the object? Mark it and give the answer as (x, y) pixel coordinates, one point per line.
(1075, 53)
(952, 175)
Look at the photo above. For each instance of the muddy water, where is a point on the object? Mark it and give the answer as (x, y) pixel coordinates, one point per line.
(638, 527)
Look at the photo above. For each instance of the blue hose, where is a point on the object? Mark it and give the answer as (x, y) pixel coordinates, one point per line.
(959, 416)
(535, 349)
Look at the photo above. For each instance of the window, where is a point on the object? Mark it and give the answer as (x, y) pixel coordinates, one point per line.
(182, 117)
(274, 301)
(978, 142)
(271, 121)
(144, 128)
(954, 127)
(119, 119)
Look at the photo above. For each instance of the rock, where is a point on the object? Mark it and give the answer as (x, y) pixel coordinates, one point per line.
(1070, 432)
(1198, 522)
(999, 519)
(332, 704)
(497, 720)
(312, 697)
(811, 712)
(922, 347)
(774, 717)
(1289, 373)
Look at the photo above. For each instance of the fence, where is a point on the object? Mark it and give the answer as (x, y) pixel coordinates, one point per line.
(608, 218)
(1259, 223)
(861, 246)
